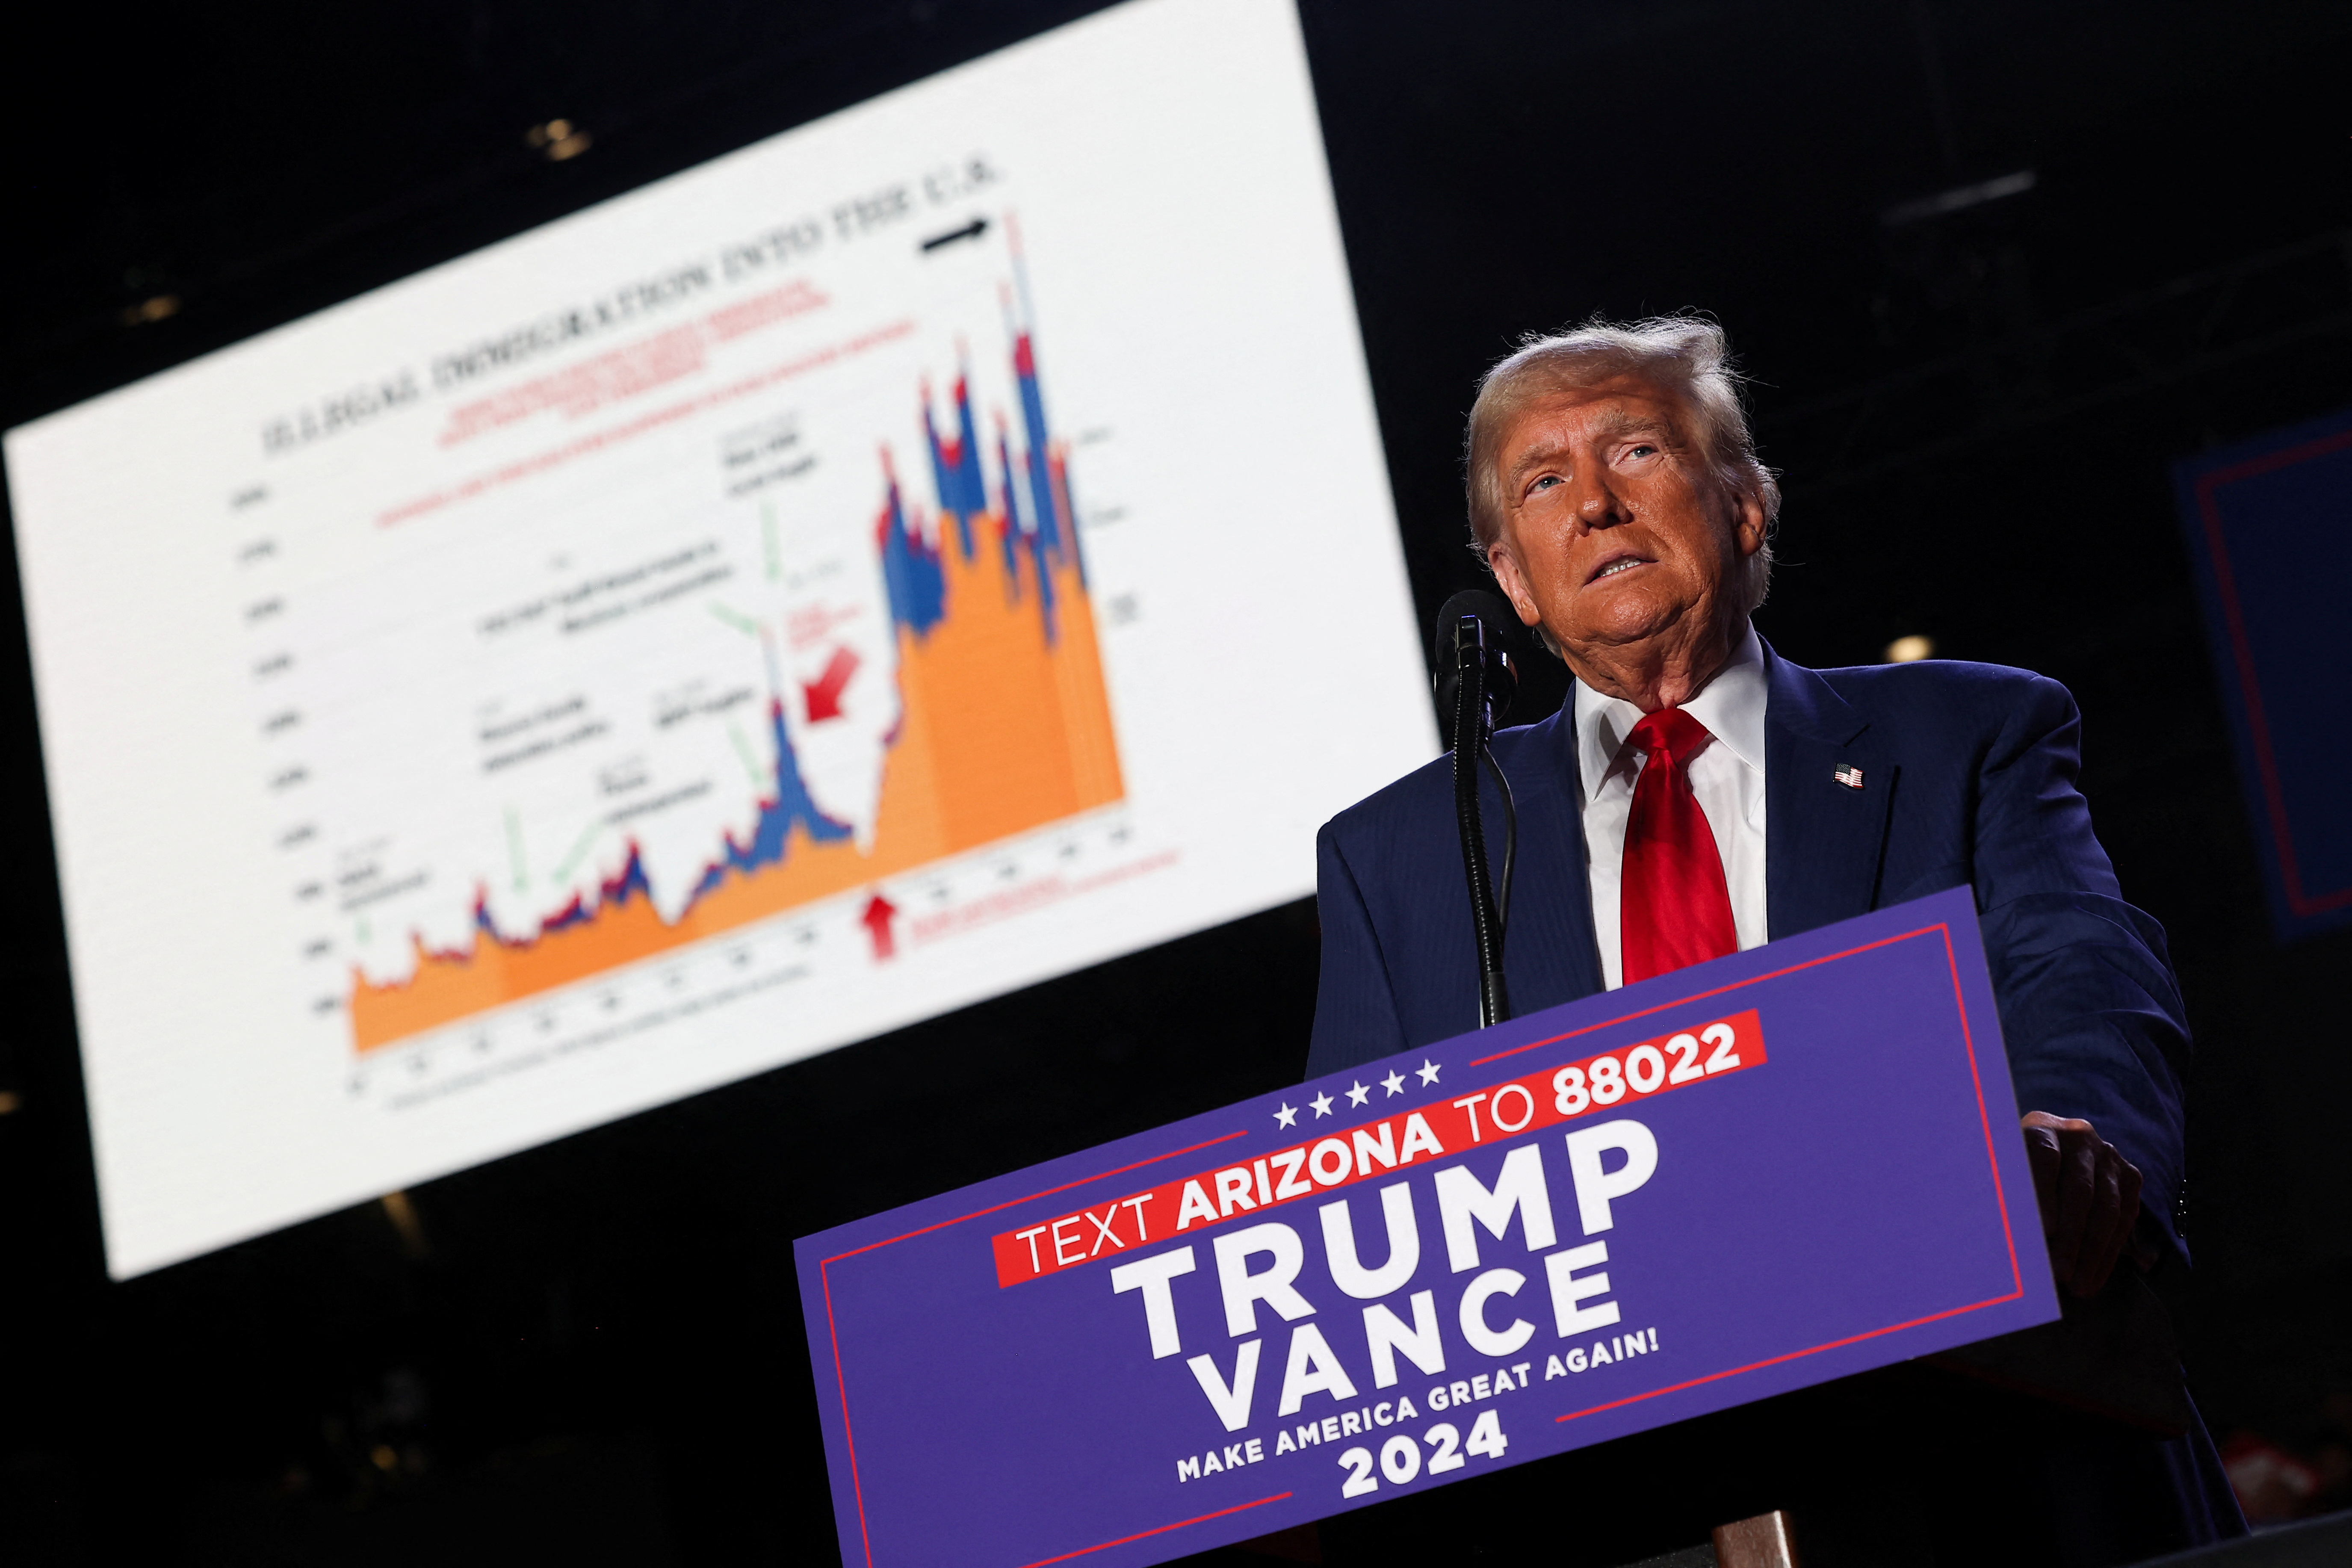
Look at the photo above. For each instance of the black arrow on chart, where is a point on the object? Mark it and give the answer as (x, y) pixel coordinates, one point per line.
(971, 230)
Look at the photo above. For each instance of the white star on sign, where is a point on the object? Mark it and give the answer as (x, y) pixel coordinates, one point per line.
(1393, 1083)
(1285, 1117)
(1322, 1104)
(1428, 1072)
(1356, 1094)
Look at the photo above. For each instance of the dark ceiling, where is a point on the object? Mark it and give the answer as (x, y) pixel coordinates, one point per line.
(1974, 413)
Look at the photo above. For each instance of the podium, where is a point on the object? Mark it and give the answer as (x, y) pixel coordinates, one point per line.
(1747, 1179)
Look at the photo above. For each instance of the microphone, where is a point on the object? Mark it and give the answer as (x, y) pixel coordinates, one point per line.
(1502, 641)
(1476, 678)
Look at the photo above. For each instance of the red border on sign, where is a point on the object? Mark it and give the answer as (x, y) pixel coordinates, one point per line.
(1968, 1035)
(2241, 654)
(841, 1380)
(1992, 1160)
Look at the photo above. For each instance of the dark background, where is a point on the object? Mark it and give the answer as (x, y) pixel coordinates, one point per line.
(594, 1350)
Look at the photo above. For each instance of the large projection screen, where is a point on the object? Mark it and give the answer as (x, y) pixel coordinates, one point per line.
(870, 572)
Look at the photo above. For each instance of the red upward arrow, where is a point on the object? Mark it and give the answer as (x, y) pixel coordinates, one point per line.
(877, 921)
(824, 693)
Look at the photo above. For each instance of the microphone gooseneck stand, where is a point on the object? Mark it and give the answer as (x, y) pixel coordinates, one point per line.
(1477, 666)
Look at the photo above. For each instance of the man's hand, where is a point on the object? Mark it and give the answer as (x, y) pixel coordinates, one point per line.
(2089, 1195)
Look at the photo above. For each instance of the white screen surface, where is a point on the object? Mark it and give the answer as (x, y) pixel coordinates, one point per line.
(845, 580)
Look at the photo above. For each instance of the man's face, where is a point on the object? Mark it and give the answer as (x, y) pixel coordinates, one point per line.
(1614, 533)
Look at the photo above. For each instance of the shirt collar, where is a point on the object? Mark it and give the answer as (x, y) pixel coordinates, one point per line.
(1731, 706)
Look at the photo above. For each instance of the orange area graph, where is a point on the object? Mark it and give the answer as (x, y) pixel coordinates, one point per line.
(1005, 727)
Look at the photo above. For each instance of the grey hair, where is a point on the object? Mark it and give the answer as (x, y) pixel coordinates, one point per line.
(1686, 356)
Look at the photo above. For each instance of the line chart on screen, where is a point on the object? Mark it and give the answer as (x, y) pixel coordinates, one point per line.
(994, 722)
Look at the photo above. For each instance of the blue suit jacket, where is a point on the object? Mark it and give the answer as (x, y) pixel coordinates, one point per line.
(1969, 778)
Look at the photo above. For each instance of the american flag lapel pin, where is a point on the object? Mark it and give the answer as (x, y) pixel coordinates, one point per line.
(1848, 774)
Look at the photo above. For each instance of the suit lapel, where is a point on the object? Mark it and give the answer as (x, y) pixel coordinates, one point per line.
(1823, 839)
(1548, 954)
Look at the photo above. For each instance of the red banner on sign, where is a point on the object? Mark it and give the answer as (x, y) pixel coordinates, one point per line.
(1362, 1151)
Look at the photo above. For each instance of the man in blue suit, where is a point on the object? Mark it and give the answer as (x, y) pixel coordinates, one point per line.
(1700, 795)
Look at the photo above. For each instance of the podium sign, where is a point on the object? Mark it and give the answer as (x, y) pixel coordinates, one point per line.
(1766, 1172)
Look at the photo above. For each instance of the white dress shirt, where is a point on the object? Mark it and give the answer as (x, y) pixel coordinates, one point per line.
(1727, 774)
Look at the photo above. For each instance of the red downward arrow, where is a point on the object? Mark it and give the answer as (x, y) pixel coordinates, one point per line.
(824, 693)
(877, 921)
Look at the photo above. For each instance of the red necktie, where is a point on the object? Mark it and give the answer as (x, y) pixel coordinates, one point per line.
(1674, 906)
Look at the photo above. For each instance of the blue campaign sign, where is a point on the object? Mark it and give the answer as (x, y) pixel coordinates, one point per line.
(1769, 1171)
(2269, 524)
